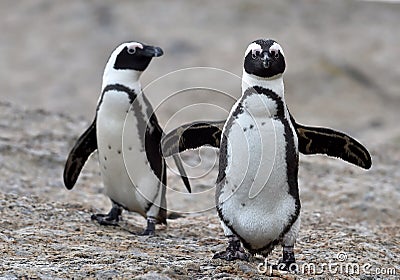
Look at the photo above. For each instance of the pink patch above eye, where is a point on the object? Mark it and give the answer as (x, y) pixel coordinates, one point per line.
(255, 51)
(275, 49)
(135, 45)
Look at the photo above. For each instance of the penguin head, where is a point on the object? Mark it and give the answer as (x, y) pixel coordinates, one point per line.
(133, 56)
(264, 58)
(130, 59)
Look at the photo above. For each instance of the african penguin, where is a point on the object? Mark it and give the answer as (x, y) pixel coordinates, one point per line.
(257, 193)
(127, 135)
(311, 140)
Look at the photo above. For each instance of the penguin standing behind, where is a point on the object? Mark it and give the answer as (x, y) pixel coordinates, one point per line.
(257, 193)
(127, 135)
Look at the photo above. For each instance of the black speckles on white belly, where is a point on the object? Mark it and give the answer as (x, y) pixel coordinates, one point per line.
(261, 220)
(111, 148)
(109, 152)
(249, 127)
(127, 176)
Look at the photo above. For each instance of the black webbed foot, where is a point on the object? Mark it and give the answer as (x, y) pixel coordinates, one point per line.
(229, 255)
(110, 219)
(234, 251)
(288, 261)
(151, 227)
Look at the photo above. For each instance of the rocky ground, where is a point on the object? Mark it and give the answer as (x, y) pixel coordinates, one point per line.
(343, 68)
(46, 231)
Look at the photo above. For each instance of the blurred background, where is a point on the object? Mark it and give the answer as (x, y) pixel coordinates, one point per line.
(343, 71)
(343, 58)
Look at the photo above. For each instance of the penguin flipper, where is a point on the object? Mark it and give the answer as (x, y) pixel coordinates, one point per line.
(191, 136)
(321, 140)
(178, 163)
(312, 140)
(84, 147)
(182, 172)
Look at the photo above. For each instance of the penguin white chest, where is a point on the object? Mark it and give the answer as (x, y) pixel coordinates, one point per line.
(127, 176)
(255, 197)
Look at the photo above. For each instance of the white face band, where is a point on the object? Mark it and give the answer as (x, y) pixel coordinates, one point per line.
(275, 48)
(253, 48)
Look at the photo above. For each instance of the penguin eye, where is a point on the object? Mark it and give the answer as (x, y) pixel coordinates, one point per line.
(131, 50)
(255, 53)
(275, 53)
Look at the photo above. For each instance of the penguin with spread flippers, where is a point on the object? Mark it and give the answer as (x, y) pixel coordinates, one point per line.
(257, 196)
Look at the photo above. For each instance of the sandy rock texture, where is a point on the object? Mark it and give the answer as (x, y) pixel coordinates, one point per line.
(343, 69)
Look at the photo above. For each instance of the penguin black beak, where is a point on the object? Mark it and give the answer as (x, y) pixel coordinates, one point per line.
(151, 51)
(266, 60)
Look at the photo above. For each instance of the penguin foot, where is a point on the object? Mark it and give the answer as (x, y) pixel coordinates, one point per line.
(229, 255)
(234, 251)
(104, 220)
(151, 227)
(288, 261)
(110, 219)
